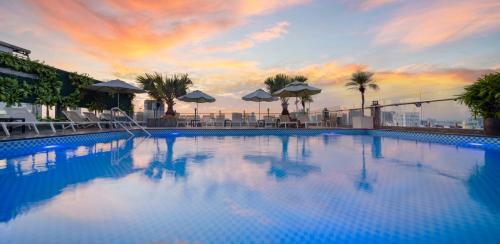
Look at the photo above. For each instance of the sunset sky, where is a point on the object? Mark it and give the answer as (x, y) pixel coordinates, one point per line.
(230, 47)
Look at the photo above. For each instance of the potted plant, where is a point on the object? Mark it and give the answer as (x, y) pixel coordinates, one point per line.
(483, 99)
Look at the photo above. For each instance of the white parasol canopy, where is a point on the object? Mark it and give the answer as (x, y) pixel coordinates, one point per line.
(197, 97)
(259, 96)
(116, 86)
(297, 89)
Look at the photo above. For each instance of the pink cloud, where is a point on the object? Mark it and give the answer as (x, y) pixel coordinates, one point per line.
(421, 25)
(133, 29)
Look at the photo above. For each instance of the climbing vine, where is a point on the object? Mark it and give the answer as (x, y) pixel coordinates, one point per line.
(12, 91)
(78, 81)
(48, 86)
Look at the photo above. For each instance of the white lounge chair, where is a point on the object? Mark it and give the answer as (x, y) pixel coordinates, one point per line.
(93, 118)
(181, 120)
(108, 117)
(207, 120)
(285, 120)
(269, 120)
(29, 120)
(237, 119)
(220, 120)
(80, 120)
(252, 120)
(304, 119)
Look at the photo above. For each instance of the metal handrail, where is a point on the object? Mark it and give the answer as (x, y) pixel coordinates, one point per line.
(116, 109)
(123, 126)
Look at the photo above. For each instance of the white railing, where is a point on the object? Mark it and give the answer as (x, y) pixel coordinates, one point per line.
(119, 111)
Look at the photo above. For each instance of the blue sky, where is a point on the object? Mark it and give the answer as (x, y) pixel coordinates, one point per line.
(229, 48)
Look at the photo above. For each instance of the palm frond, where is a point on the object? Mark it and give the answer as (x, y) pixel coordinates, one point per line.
(373, 86)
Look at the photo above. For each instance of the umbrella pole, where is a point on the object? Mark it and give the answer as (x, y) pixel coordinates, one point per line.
(296, 105)
(259, 109)
(118, 100)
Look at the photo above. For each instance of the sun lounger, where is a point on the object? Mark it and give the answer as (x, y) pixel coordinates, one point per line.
(237, 119)
(252, 120)
(220, 120)
(207, 120)
(269, 120)
(304, 119)
(285, 120)
(29, 120)
(116, 119)
(181, 120)
(93, 118)
(80, 120)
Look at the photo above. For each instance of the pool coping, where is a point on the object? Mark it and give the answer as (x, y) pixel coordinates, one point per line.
(232, 129)
(471, 141)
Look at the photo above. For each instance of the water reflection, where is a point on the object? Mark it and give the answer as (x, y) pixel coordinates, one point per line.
(252, 187)
(164, 161)
(483, 182)
(377, 147)
(364, 182)
(30, 180)
(284, 166)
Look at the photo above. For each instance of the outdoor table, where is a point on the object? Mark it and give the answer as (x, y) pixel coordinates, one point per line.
(226, 122)
(10, 119)
(195, 122)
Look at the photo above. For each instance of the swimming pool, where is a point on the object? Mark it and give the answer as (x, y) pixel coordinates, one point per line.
(251, 186)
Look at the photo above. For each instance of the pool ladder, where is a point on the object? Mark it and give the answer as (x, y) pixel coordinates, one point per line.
(116, 110)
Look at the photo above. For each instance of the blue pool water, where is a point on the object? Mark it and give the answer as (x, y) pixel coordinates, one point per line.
(228, 187)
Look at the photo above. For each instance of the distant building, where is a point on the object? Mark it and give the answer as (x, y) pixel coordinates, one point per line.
(344, 120)
(13, 49)
(472, 123)
(387, 117)
(408, 119)
(354, 113)
(150, 107)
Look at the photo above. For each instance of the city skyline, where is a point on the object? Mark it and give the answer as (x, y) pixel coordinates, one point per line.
(425, 48)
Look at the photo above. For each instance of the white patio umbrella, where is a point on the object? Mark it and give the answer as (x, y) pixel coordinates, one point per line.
(297, 89)
(116, 86)
(197, 97)
(259, 96)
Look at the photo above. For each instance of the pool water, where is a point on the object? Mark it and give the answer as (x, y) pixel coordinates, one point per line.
(317, 188)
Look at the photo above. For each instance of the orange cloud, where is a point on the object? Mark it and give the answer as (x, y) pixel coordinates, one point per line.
(219, 64)
(423, 25)
(228, 88)
(132, 29)
(269, 34)
(405, 83)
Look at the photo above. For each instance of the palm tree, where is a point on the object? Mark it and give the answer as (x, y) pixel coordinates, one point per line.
(276, 83)
(165, 88)
(361, 81)
(303, 99)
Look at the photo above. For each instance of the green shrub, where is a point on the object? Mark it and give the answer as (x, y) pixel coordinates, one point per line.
(483, 97)
(12, 91)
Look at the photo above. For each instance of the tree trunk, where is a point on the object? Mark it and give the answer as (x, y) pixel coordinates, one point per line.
(284, 105)
(363, 103)
(47, 114)
(157, 108)
(170, 109)
(58, 111)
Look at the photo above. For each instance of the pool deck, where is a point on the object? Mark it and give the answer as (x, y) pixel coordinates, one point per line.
(47, 133)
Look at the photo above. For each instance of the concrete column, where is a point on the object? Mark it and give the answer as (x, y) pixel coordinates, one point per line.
(375, 114)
